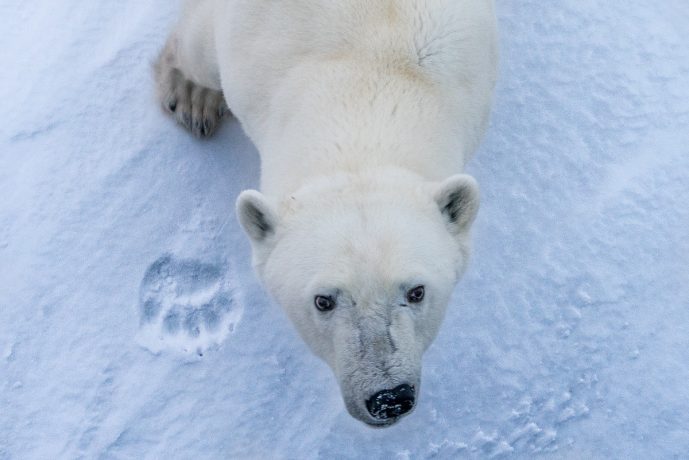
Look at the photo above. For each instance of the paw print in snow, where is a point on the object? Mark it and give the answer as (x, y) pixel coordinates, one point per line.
(186, 305)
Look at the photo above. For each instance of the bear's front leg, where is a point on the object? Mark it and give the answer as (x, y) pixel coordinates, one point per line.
(197, 108)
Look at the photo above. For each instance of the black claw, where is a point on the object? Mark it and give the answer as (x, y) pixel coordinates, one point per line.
(206, 127)
(186, 120)
(198, 128)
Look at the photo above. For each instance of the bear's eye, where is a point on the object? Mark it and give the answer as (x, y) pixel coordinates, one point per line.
(415, 295)
(324, 303)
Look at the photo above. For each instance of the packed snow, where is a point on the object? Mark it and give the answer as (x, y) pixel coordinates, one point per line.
(132, 326)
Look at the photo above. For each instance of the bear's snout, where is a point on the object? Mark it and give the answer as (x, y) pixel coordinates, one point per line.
(388, 404)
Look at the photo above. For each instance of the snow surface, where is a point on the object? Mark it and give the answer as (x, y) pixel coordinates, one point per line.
(131, 325)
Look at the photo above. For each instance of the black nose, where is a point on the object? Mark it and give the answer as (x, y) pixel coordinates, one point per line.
(391, 403)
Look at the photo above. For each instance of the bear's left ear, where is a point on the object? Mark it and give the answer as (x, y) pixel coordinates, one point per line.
(256, 216)
(457, 198)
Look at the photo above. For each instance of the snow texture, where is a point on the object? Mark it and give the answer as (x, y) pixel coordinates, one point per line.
(132, 326)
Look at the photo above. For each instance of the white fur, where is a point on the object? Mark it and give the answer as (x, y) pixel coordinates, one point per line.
(364, 113)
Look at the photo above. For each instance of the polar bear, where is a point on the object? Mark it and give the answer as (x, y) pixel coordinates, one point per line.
(364, 113)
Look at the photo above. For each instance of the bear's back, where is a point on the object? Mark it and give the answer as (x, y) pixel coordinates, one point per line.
(450, 42)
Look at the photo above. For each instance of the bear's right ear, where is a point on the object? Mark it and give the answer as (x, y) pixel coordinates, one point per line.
(256, 216)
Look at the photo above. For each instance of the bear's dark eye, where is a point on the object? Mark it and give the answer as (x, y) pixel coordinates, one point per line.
(415, 295)
(324, 303)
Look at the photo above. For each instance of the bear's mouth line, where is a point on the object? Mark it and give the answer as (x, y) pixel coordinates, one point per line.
(377, 423)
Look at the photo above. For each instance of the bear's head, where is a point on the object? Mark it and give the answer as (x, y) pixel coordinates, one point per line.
(365, 269)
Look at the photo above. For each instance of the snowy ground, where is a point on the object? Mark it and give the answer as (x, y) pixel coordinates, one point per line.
(568, 337)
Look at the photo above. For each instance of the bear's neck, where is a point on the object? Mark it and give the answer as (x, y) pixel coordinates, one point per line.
(348, 117)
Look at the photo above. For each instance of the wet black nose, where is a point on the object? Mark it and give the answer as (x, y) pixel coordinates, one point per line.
(391, 403)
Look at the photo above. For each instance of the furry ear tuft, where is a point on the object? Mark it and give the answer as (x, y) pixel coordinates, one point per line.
(458, 199)
(256, 216)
